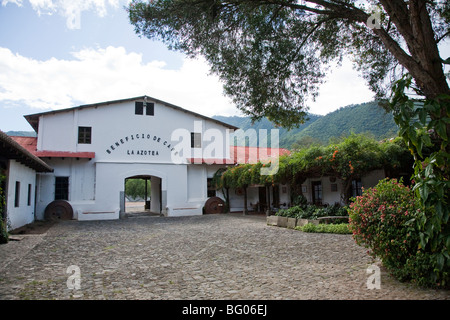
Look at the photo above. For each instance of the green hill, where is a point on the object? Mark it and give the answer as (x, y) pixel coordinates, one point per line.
(367, 118)
(284, 135)
(361, 118)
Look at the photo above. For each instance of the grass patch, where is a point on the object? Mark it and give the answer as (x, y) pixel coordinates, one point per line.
(341, 228)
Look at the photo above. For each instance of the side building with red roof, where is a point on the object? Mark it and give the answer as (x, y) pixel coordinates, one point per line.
(19, 168)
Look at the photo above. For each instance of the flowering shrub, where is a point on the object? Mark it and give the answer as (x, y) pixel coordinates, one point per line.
(386, 219)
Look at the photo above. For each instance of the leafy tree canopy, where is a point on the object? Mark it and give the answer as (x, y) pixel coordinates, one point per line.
(272, 55)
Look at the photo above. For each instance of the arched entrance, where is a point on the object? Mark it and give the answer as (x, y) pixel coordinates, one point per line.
(143, 195)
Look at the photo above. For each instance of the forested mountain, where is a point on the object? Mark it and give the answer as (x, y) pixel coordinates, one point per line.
(366, 118)
(362, 118)
(284, 135)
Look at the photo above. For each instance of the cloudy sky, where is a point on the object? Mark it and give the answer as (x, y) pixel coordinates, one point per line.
(62, 53)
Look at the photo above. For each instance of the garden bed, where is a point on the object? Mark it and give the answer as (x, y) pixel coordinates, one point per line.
(308, 225)
(310, 218)
(291, 223)
(303, 214)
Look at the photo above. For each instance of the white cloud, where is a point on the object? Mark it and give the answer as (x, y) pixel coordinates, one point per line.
(104, 74)
(343, 87)
(96, 75)
(69, 9)
(16, 2)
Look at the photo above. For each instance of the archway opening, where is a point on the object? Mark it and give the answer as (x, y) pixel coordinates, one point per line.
(143, 195)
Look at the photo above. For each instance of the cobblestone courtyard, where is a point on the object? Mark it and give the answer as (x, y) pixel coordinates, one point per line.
(202, 257)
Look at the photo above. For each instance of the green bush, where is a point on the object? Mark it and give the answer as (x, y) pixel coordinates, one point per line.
(336, 210)
(387, 220)
(292, 212)
(309, 213)
(341, 228)
(3, 232)
(300, 212)
(312, 212)
(300, 200)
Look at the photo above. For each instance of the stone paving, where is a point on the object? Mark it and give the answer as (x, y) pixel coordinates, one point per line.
(210, 257)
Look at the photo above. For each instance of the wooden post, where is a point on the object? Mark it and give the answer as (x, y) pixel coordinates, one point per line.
(227, 203)
(268, 211)
(146, 195)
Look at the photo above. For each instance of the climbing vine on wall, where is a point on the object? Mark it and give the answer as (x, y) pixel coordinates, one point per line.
(349, 159)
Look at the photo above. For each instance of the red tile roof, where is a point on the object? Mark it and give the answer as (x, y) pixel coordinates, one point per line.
(11, 149)
(30, 143)
(241, 155)
(64, 154)
(255, 154)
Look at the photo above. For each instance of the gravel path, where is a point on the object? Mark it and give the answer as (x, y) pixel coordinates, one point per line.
(203, 257)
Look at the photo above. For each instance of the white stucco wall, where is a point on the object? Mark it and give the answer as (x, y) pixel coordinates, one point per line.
(285, 196)
(82, 178)
(155, 201)
(24, 213)
(117, 128)
(196, 183)
(46, 193)
(371, 180)
(330, 197)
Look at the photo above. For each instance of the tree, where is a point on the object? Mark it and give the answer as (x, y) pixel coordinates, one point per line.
(3, 221)
(272, 55)
(135, 188)
(305, 142)
(426, 133)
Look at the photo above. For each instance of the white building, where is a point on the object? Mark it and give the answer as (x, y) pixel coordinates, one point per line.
(18, 168)
(94, 148)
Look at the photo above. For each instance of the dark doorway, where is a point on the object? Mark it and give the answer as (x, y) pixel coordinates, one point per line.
(276, 196)
(262, 199)
(316, 192)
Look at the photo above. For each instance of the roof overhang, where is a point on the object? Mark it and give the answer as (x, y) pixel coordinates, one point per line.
(12, 150)
(64, 154)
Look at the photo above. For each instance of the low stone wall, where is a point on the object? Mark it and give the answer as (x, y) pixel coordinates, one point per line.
(286, 222)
